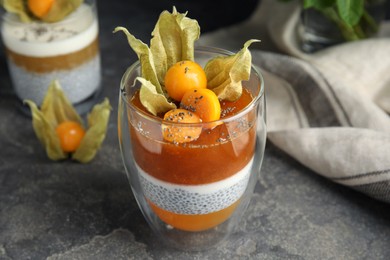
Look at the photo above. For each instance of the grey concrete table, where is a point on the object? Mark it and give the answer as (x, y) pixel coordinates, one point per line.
(66, 210)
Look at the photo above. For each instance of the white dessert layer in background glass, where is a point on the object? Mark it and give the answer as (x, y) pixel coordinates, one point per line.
(46, 40)
(195, 199)
(78, 83)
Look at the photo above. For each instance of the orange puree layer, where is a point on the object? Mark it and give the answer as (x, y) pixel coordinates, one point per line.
(53, 63)
(194, 222)
(217, 154)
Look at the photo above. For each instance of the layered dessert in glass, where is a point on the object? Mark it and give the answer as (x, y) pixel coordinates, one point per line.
(194, 193)
(191, 128)
(39, 52)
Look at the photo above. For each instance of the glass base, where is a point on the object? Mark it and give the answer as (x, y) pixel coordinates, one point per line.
(195, 241)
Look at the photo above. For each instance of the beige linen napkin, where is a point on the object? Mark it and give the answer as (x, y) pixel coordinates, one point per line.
(327, 110)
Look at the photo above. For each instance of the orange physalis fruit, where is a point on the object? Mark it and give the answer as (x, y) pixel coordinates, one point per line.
(181, 133)
(203, 102)
(40, 7)
(183, 76)
(70, 134)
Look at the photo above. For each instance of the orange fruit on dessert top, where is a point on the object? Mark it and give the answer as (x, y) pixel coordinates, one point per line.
(181, 133)
(183, 76)
(40, 7)
(70, 134)
(203, 102)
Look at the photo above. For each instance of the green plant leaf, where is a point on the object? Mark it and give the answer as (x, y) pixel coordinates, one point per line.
(318, 4)
(350, 11)
(96, 133)
(225, 73)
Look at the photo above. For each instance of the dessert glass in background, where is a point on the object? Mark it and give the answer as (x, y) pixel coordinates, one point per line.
(68, 51)
(193, 194)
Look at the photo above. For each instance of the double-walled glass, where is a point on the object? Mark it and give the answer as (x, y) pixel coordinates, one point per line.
(192, 194)
(67, 51)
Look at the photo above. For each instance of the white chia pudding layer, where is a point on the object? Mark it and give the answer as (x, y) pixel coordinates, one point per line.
(78, 83)
(195, 199)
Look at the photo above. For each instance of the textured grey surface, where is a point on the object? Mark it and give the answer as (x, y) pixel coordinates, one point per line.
(66, 210)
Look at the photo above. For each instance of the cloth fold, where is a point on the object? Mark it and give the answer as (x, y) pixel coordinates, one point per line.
(327, 110)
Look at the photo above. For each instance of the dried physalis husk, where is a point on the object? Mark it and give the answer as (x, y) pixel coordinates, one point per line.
(226, 73)
(153, 89)
(58, 11)
(145, 57)
(96, 132)
(18, 7)
(154, 102)
(55, 109)
(173, 40)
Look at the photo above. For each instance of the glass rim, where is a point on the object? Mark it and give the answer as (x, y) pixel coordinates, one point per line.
(7, 17)
(159, 120)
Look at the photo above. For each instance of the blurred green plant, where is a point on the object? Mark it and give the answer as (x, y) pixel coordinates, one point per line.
(351, 16)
